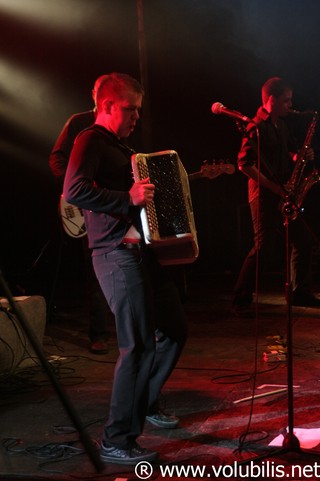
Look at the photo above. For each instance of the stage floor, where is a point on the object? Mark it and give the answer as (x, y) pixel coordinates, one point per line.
(222, 364)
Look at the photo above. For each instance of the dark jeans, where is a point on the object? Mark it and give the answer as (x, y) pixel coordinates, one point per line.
(268, 227)
(151, 332)
(99, 312)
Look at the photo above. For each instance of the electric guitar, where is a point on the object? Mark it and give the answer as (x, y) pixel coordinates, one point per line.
(73, 219)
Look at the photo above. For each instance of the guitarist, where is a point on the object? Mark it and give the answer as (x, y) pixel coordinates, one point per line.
(58, 161)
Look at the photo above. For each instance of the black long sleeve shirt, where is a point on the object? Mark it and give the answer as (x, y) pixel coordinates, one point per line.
(276, 145)
(98, 180)
(60, 154)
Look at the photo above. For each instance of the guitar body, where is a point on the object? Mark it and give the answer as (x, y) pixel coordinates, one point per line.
(72, 219)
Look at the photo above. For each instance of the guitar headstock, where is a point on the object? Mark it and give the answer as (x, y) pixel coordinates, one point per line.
(216, 168)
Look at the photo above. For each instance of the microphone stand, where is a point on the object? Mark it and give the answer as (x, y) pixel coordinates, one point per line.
(84, 437)
(290, 442)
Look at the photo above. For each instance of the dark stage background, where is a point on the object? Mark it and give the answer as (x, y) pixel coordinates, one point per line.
(196, 52)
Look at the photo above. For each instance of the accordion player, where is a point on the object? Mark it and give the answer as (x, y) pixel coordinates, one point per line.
(168, 221)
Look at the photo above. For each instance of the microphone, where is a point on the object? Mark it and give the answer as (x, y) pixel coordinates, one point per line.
(218, 108)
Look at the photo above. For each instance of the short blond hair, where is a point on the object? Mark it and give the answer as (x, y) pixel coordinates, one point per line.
(115, 85)
(99, 81)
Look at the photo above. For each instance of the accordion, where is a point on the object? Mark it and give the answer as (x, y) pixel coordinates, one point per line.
(168, 221)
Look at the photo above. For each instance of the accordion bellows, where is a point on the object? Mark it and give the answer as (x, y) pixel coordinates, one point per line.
(168, 221)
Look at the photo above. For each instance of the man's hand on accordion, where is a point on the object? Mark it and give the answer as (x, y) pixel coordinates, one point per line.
(141, 192)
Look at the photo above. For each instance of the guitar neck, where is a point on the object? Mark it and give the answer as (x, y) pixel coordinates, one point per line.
(195, 175)
(202, 174)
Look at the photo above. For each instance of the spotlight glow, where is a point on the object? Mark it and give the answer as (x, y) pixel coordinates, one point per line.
(61, 14)
(27, 99)
(55, 14)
